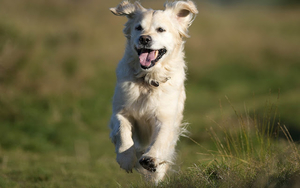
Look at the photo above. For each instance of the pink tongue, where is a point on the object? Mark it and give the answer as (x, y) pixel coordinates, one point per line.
(146, 58)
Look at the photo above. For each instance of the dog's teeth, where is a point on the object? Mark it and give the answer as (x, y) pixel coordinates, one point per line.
(156, 53)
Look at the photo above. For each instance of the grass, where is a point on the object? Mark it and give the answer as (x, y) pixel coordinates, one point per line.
(255, 152)
(57, 76)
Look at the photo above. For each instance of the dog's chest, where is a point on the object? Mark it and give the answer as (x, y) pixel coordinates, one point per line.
(142, 101)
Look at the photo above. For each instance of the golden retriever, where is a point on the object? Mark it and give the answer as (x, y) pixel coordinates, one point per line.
(149, 96)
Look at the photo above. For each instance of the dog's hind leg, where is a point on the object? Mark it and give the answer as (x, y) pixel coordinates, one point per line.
(121, 135)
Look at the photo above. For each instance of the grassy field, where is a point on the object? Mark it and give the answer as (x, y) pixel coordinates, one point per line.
(57, 63)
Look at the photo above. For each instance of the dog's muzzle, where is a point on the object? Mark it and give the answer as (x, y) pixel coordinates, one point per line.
(149, 57)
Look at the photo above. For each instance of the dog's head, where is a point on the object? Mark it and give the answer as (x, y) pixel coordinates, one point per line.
(154, 35)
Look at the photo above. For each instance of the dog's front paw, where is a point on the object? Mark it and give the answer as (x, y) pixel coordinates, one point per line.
(148, 163)
(127, 159)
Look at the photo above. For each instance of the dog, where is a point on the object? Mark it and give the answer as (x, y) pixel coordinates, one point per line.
(149, 96)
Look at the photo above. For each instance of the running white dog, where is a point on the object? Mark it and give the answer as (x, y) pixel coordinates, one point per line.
(149, 96)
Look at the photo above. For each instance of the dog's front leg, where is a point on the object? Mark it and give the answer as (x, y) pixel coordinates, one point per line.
(121, 135)
(161, 151)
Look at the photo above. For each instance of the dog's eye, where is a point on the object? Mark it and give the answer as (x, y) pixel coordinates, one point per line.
(139, 28)
(160, 30)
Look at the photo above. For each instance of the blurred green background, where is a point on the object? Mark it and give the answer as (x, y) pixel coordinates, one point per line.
(57, 77)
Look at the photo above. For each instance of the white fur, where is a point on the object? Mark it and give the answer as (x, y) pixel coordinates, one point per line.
(146, 120)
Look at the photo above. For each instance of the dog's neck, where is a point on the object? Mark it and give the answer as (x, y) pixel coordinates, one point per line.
(155, 83)
(152, 79)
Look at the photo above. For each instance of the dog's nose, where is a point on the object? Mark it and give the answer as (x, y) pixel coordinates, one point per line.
(145, 39)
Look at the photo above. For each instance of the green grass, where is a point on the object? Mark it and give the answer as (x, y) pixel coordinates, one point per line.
(255, 152)
(57, 76)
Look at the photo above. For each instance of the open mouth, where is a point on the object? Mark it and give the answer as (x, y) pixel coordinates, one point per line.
(149, 57)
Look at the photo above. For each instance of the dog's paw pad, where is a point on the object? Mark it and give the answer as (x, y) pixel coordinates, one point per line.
(148, 163)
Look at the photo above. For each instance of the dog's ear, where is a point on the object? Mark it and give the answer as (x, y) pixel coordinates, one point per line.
(125, 8)
(184, 13)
